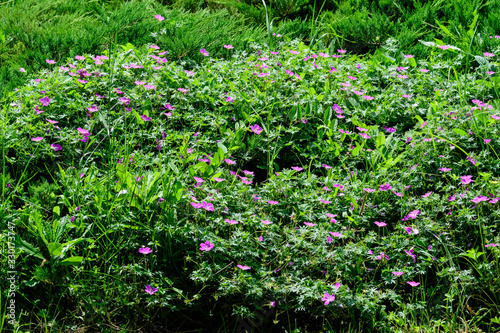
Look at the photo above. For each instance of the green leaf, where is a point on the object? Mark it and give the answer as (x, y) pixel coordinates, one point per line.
(380, 139)
(28, 248)
(460, 132)
(221, 146)
(173, 167)
(72, 261)
(55, 249)
(56, 210)
(412, 62)
(356, 150)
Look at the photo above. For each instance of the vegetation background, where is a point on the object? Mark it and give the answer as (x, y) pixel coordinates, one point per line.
(386, 39)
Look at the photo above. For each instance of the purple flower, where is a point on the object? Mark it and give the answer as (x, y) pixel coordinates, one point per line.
(159, 17)
(369, 190)
(50, 61)
(310, 224)
(256, 129)
(385, 187)
(145, 250)
(207, 246)
(22, 70)
(491, 244)
(328, 298)
(145, 118)
(204, 52)
(37, 139)
(397, 273)
(336, 234)
(45, 101)
(243, 267)
(56, 146)
(466, 179)
(228, 47)
(230, 162)
(426, 194)
(198, 179)
(231, 221)
(444, 169)
(272, 202)
(266, 222)
(380, 224)
(413, 283)
(297, 168)
(150, 290)
(480, 198)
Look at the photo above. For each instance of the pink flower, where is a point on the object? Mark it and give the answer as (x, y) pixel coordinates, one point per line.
(45, 101)
(93, 108)
(50, 61)
(466, 179)
(56, 146)
(228, 161)
(207, 246)
(480, 198)
(385, 187)
(364, 136)
(408, 56)
(218, 180)
(204, 52)
(487, 54)
(368, 98)
(79, 57)
(328, 298)
(261, 238)
(256, 129)
(486, 141)
(266, 222)
(426, 194)
(341, 51)
(413, 283)
(231, 221)
(444, 169)
(22, 70)
(272, 202)
(150, 290)
(145, 250)
(397, 273)
(243, 267)
(149, 87)
(296, 168)
(380, 224)
(159, 17)
(310, 224)
(491, 244)
(145, 118)
(228, 47)
(369, 190)
(336, 234)
(37, 139)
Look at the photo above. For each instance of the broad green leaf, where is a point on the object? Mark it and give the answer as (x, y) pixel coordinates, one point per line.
(380, 139)
(72, 261)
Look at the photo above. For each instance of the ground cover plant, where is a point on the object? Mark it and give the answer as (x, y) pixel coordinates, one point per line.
(341, 193)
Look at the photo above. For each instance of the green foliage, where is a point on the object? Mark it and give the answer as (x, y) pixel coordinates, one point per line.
(167, 155)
